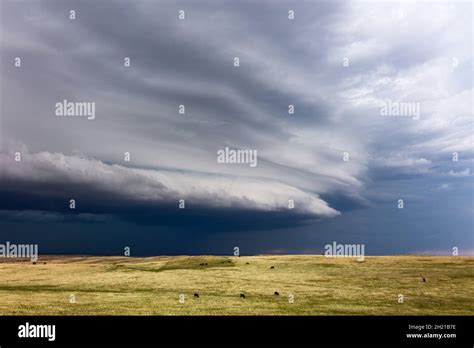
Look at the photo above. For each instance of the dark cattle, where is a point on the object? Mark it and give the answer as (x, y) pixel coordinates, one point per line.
(424, 280)
(247, 263)
(205, 264)
(34, 263)
(196, 295)
(276, 293)
(44, 263)
(201, 264)
(272, 267)
(242, 295)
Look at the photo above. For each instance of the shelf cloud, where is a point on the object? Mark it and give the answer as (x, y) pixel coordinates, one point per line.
(348, 107)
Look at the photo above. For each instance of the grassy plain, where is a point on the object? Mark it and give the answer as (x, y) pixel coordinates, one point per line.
(317, 285)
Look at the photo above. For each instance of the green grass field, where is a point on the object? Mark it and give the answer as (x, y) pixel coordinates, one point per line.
(319, 285)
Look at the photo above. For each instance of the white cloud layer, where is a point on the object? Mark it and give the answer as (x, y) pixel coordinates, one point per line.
(165, 187)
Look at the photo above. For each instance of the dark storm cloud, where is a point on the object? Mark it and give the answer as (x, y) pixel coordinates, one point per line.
(149, 196)
(396, 52)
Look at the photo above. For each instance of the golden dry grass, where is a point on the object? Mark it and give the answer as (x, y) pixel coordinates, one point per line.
(320, 286)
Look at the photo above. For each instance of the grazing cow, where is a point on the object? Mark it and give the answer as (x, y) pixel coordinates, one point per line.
(424, 280)
(44, 263)
(196, 295)
(242, 295)
(247, 263)
(34, 263)
(205, 264)
(276, 293)
(272, 267)
(201, 264)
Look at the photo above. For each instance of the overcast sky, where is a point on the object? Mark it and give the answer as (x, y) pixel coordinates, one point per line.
(342, 161)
